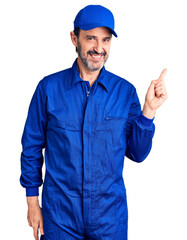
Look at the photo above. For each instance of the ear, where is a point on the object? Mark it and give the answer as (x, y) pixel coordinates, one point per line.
(73, 38)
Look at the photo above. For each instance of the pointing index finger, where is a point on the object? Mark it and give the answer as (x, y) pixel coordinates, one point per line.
(162, 75)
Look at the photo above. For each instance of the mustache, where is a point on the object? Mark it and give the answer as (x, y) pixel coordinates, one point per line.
(95, 52)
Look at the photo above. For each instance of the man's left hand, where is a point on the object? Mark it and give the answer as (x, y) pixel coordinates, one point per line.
(155, 97)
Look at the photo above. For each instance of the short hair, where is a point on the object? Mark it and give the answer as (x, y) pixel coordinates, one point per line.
(77, 31)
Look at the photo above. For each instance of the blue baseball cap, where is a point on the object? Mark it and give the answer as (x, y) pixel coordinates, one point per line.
(93, 16)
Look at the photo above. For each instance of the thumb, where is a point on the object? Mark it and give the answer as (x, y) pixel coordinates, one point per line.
(152, 86)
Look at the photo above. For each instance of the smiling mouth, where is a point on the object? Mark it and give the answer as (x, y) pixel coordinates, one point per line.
(96, 57)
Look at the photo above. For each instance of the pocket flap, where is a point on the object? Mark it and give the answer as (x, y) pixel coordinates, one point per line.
(116, 115)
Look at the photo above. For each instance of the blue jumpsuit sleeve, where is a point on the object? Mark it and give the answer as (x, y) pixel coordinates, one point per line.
(33, 141)
(140, 131)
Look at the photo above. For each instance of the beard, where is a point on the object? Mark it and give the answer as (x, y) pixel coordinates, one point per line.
(91, 64)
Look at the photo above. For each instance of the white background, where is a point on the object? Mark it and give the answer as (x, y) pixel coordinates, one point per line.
(35, 42)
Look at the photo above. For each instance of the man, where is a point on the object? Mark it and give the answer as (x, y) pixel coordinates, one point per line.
(87, 119)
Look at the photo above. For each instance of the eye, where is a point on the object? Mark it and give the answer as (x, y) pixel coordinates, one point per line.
(91, 38)
(107, 40)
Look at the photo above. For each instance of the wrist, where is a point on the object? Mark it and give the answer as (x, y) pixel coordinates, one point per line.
(32, 200)
(148, 112)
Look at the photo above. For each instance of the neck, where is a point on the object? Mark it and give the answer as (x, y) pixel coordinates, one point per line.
(87, 74)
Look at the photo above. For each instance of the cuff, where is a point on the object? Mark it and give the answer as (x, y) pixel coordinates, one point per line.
(145, 122)
(33, 191)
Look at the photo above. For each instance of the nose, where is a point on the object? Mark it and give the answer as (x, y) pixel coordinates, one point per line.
(99, 47)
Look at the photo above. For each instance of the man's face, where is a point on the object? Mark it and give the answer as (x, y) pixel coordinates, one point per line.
(93, 47)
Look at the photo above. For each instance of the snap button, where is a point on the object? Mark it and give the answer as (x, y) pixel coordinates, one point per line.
(108, 117)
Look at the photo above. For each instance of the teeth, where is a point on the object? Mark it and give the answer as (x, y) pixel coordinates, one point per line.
(96, 56)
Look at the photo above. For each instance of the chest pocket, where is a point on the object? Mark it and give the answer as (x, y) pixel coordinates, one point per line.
(116, 124)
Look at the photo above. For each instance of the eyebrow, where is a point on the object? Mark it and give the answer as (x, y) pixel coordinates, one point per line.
(108, 37)
(88, 36)
(92, 36)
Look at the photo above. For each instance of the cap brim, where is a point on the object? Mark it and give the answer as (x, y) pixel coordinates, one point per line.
(89, 27)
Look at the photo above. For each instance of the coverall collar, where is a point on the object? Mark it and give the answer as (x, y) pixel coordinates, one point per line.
(102, 79)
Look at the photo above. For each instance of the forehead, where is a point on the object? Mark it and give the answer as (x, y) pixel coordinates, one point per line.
(98, 32)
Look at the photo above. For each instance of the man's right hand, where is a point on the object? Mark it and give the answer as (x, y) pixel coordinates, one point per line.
(34, 216)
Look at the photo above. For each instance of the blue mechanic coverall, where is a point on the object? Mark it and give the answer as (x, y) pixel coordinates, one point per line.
(86, 132)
